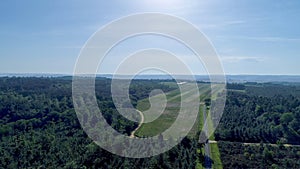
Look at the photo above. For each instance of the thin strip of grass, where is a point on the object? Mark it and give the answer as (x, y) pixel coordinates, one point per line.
(201, 150)
(215, 155)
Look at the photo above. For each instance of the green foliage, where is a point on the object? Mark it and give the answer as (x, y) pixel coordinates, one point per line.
(260, 156)
(265, 113)
(39, 127)
(256, 117)
(286, 118)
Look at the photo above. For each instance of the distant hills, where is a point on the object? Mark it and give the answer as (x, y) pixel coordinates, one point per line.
(230, 78)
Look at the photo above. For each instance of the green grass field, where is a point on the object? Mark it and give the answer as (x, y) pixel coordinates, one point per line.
(215, 155)
(171, 112)
(214, 149)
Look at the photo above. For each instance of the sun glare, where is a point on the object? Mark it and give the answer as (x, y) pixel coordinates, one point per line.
(164, 3)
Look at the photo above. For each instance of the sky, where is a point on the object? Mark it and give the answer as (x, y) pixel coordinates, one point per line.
(250, 37)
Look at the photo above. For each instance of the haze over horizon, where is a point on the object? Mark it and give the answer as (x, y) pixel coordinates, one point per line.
(251, 37)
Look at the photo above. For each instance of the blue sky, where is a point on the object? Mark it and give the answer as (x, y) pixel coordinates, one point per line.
(251, 37)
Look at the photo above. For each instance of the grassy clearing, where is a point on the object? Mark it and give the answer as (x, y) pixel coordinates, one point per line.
(210, 125)
(205, 91)
(215, 155)
(217, 88)
(234, 90)
(159, 125)
(199, 123)
(200, 151)
(143, 105)
(168, 117)
(164, 121)
(199, 165)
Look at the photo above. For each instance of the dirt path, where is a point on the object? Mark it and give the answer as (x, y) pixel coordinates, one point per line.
(255, 144)
(141, 122)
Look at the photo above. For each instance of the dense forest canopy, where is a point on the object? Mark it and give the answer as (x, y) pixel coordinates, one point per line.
(258, 121)
(39, 127)
(268, 113)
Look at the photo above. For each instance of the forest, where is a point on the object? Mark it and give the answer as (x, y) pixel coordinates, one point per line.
(260, 127)
(269, 114)
(39, 127)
